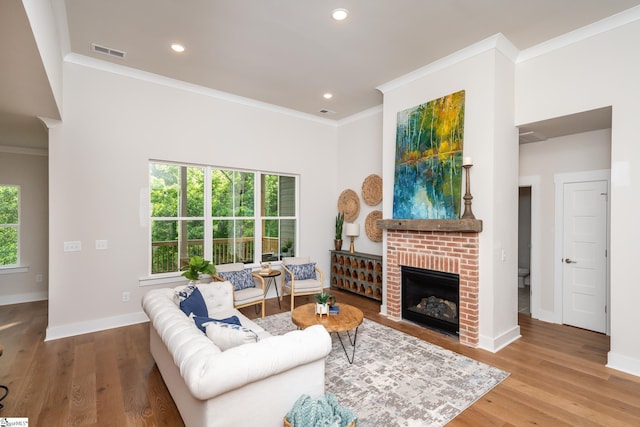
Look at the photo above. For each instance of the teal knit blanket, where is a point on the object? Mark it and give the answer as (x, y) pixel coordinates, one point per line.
(324, 411)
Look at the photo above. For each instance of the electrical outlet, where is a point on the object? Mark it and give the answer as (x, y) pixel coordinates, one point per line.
(102, 245)
(73, 246)
(126, 296)
(39, 278)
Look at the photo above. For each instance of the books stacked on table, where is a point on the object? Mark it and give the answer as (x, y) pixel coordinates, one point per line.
(334, 309)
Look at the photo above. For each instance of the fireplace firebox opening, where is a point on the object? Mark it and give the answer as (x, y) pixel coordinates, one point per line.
(431, 298)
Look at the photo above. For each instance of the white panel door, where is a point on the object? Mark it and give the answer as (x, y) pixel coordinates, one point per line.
(584, 255)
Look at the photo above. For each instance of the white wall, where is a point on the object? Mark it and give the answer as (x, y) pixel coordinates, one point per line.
(43, 24)
(596, 72)
(358, 155)
(30, 173)
(115, 124)
(491, 140)
(99, 156)
(573, 153)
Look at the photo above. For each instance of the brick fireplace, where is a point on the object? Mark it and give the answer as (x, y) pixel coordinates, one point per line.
(451, 246)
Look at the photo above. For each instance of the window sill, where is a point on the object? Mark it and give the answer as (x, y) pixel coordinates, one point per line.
(174, 279)
(13, 270)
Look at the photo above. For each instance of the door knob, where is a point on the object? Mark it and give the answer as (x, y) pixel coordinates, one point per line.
(570, 261)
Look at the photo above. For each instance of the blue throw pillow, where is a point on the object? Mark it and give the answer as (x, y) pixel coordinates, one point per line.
(233, 320)
(301, 271)
(193, 302)
(241, 279)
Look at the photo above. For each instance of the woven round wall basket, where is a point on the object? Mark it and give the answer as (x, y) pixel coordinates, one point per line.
(373, 231)
(372, 190)
(349, 204)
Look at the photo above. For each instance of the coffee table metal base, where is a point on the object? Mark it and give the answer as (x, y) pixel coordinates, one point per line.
(348, 319)
(353, 345)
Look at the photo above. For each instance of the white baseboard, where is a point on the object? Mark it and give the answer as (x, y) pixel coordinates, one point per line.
(623, 363)
(383, 309)
(546, 316)
(20, 298)
(496, 344)
(85, 327)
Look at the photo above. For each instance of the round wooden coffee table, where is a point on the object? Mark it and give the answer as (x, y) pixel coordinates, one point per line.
(347, 319)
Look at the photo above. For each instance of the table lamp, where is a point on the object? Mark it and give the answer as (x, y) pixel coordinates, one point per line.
(352, 230)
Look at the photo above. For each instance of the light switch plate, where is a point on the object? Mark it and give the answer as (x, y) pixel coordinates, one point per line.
(73, 246)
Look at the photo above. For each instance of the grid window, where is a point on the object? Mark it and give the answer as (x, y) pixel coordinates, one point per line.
(223, 215)
(9, 225)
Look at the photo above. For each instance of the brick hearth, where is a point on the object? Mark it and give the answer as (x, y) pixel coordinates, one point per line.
(451, 252)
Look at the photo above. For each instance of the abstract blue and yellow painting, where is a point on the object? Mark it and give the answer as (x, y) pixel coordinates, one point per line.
(428, 161)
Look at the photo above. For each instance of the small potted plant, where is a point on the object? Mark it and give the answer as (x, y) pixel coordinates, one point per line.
(339, 224)
(198, 265)
(322, 303)
(287, 248)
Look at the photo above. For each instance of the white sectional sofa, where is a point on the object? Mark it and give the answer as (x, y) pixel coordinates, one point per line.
(250, 384)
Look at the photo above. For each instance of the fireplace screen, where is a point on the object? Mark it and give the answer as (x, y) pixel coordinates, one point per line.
(431, 298)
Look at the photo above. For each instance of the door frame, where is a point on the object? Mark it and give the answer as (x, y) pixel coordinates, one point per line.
(575, 177)
(535, 272)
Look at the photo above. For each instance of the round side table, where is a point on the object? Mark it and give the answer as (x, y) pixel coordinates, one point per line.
(270, 278)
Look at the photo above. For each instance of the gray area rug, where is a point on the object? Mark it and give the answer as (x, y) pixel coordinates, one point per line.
(397, 379)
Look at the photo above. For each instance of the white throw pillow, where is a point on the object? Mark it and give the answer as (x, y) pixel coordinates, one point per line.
(226, 335)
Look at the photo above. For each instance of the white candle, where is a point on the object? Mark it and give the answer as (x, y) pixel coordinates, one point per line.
(466, 161)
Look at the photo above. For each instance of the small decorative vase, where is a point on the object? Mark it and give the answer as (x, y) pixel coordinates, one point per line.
(322, 309)
(338, 244)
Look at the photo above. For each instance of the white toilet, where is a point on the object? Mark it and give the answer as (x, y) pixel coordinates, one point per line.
(523, 275)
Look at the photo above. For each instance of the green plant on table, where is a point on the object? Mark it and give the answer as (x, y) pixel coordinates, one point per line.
(322, 297)
(198, 265)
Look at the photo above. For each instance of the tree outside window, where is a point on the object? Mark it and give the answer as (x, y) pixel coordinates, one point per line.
(232, 211)
(177, 215)
(9, 225)
(278, 216)
(213, 212)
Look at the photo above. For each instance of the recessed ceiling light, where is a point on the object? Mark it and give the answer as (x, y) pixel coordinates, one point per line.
(177, 47)
(327, 95)
(339, 14)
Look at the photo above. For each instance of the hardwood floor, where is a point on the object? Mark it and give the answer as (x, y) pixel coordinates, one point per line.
(108, 378)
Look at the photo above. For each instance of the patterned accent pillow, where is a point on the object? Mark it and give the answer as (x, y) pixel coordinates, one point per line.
(202, 322)
(182, 293)
(240, 279)
(301, 271)
(226, 336)
(191, 301)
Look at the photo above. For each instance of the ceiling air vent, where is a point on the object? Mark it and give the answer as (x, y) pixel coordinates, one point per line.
(108, 51)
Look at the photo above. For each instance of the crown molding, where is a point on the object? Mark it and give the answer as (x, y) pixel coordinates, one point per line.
(361, 115)
(607, 24)
(24, 150)
(49, 123)
(98, 64)
(496, 42)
